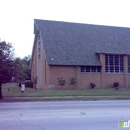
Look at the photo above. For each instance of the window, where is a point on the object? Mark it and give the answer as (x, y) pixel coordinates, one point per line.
(39, 43)
(39, 47)
(92, 69)
(38, 37)
(39, 56)
(114, 63)
(129, 64)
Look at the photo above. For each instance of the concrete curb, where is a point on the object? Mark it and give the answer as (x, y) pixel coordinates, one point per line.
(60, 98)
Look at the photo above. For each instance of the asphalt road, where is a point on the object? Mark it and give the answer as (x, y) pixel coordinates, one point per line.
(64, 115)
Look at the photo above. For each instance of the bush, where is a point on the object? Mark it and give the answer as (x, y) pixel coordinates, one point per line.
(61, 81)
(93, 85)
(72, 80)
(116, 85)
(29, 84)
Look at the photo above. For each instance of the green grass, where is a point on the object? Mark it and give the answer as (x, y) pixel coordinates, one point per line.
(15, 92)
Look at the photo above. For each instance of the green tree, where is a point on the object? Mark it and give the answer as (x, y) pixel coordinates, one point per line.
(21, 69)
(6, 64)
(26, 64)
(17, 69)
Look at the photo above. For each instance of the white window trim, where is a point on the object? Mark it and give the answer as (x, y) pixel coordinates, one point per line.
(128, 64)
(39, 48)
(114, 66)
(96, 69)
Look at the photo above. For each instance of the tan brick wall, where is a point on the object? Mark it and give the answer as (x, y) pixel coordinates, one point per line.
(129, 80)
(61, 71)
(45, 71)
(102, 80)
(34, 64)
(83, 79)
(125, 71)
(111, 78)
(103, 74)
(40, 68)
(49, 75)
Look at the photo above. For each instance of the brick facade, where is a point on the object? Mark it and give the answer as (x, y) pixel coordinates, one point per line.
(59, 51)
(48, 74)
(40, 68)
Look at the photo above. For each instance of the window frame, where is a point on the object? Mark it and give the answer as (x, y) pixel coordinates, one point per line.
(90, 69)
(114, 63)
(39, 47)
(128, 64)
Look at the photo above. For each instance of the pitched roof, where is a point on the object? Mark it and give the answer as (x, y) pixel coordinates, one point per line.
(68, 43)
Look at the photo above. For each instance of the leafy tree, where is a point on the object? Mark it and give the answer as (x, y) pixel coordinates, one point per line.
(17, 69)
(21, 69)
(26, 64)
(6, 64)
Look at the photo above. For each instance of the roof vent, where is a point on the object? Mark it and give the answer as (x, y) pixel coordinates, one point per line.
(52, 59)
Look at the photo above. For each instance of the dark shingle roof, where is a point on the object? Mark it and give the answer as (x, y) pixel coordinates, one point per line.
(77, 44)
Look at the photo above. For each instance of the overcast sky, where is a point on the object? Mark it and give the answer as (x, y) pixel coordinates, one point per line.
(17, 17)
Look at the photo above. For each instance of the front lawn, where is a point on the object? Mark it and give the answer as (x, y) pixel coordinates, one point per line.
(16, 92)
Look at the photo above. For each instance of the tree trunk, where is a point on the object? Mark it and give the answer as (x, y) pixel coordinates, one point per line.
(1, 97)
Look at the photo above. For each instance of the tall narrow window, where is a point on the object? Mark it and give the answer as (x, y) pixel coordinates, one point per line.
(39, 56)
(114, 63)
(39, 47)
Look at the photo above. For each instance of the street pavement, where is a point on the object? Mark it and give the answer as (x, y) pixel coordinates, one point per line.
(64, 115)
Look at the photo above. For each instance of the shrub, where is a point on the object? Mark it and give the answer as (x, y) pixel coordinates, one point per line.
(93, 85)
(116, 85)
(61, 81)
(72, 80)
(34, 81)
(29, 84)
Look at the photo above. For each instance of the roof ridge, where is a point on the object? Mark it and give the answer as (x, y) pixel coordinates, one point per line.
(113, 26)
